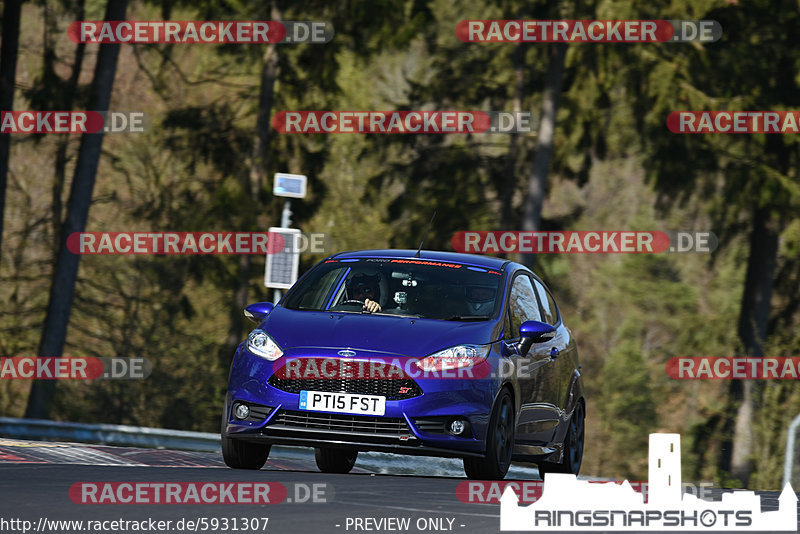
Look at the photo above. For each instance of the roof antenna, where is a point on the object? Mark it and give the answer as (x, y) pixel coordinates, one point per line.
(425, 235)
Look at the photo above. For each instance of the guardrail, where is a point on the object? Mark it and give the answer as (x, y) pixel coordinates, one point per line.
(122, 435)
(159, 438)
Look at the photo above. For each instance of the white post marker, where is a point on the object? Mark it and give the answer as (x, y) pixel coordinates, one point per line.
(289, 185)
(281, 267)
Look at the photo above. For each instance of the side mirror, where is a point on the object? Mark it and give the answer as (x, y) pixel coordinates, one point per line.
(258, 311)
(534, 332)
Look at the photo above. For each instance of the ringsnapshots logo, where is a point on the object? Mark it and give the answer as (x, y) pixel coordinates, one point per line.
(569, 504)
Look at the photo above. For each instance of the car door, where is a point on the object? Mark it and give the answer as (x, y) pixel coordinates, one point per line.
(535, 373)
(557, 347)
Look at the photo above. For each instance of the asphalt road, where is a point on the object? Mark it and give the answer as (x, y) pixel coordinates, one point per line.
(36, 479)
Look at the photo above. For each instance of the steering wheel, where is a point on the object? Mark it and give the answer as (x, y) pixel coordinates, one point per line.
(352, 301)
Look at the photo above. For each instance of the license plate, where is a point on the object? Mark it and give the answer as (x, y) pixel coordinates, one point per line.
(342, 403)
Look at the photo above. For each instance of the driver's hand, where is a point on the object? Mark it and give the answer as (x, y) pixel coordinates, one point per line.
(370, 306)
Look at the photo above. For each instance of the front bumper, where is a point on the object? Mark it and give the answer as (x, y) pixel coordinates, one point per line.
(409, 426)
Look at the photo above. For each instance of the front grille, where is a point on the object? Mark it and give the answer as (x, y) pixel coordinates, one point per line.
(432, 425)
(343, 427)
(259, 413)
(399, 389)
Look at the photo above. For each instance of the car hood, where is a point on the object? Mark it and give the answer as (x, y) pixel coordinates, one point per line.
(405, 336)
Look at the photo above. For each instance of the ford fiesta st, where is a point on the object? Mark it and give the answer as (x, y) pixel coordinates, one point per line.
(424, 353)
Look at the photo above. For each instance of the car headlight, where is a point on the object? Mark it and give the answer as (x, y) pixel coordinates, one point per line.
(454, 358)
(260, 344)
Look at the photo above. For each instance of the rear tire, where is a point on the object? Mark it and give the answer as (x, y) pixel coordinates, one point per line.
(573, 447)
(499, 443)
(240, 454)
(335, 460)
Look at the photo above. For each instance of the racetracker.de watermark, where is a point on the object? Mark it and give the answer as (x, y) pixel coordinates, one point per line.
(74, 368)
(180, 243)
(140, 492)
(435, 367)
(403, 122)
(588, 31)
(73, 122)
(529, 491)
(734, 122)
(722, 368)
(201, 31)
(335, 368)
(583, 242)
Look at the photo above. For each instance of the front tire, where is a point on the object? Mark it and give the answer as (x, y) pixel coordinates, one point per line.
(499, 443)
(573, 446)
(240, 454)
(335, 460)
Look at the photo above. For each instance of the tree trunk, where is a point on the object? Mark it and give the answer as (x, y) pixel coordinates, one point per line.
(266, 97)
(753, 321)
(258, 177)
(510, 181)
(12, 11)
(537, 183)
(54, 332)
(63, 143)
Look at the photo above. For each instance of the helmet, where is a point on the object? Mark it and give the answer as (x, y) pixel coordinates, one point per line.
(363, 286)
(480, 299)
(480, 294)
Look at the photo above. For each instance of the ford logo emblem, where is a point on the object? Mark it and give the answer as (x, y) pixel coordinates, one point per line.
(346, 353)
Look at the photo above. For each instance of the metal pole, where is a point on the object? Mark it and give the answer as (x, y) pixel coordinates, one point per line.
(286, 221)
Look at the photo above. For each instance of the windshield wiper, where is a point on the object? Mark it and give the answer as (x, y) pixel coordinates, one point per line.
(467, 318)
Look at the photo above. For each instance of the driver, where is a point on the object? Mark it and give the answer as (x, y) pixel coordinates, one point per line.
(480, 300)
(366, 289)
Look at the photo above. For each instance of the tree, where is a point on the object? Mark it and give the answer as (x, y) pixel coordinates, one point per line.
(259, 161)
(12, 10)
(537, 181)
(69, 95)
(54, 332)
(751, 178)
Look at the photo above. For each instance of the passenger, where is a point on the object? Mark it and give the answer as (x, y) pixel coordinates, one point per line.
(480, 300)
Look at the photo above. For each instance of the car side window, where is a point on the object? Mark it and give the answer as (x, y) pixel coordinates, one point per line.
(548, 304)
(523, 305)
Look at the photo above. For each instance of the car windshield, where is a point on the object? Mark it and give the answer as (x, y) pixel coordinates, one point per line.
(428, 289)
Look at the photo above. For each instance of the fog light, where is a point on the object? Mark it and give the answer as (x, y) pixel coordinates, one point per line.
(457, 427)
(241, 411)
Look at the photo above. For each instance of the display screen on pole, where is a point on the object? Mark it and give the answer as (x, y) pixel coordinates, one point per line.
(282, 266)
(289, 185)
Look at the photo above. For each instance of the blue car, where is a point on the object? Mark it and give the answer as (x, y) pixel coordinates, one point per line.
(423, 353)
